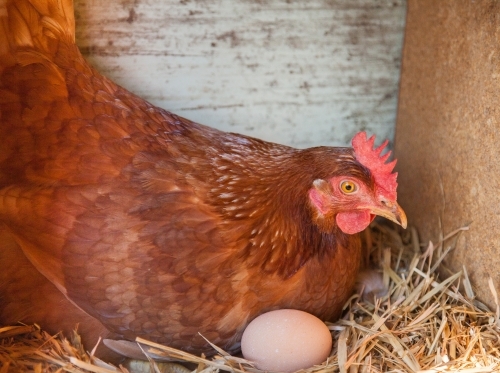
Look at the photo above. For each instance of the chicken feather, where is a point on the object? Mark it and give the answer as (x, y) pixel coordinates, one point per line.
(134, 222)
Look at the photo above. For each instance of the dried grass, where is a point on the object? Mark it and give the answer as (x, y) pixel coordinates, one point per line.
(423, 324)
(27, 348)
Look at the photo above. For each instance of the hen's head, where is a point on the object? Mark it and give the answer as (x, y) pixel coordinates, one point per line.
(353, 202)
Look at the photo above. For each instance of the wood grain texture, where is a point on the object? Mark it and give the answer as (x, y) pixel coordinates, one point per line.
(293, 72)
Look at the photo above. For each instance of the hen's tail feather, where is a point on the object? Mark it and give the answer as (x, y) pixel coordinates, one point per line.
(34, 25)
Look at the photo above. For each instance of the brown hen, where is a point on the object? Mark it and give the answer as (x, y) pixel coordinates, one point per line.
(132, 221)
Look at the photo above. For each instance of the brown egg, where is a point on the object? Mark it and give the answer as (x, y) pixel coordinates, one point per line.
(286, 341)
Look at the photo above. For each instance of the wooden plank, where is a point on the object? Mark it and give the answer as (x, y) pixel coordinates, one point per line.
(302, 73)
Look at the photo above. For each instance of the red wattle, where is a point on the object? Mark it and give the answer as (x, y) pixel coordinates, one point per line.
(353, 222)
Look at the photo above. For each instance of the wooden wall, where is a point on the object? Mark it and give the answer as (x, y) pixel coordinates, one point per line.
(302, 73)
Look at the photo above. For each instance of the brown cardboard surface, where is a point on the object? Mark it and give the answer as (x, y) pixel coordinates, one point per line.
(448, 130)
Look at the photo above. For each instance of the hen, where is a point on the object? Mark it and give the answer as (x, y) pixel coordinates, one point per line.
(132, 221)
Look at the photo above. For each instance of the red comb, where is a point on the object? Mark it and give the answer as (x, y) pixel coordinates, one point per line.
(371, 159)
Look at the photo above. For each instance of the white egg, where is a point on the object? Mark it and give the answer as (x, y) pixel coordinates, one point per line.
(286, 341)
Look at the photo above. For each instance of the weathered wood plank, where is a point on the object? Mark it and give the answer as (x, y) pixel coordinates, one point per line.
(302, 73)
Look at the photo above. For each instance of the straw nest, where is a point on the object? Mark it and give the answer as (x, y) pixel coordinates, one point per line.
(425, 323)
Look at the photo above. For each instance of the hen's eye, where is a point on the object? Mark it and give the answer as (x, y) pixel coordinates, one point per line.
(348, 187)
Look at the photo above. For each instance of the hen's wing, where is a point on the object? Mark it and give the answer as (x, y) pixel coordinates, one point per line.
(27, 296)
(93, 185)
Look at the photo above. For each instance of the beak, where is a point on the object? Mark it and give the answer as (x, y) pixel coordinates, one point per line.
(391, 211)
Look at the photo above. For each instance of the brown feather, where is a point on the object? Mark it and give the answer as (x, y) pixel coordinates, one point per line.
(149, 224)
